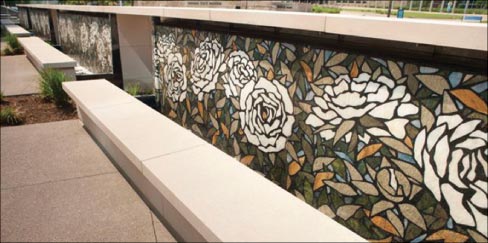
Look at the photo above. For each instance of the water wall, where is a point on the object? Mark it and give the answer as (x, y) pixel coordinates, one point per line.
(87, 39)
(41, 26)
(392, 149)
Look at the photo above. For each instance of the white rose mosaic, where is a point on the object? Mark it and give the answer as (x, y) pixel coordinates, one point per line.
(88, 40)
(393, 150)
(205, 66)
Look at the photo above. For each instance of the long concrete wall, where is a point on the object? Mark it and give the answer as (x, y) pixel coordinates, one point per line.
(419, 32)
(391, 146)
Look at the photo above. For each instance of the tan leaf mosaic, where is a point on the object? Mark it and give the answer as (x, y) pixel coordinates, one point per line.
(391, 149)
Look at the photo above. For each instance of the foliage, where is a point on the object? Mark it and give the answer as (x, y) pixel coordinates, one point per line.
(136, 89)
(471, 11)
(320, 9)
(13, 42)
(133, 89)
(49, 42)
(3, 31)
(8, 116)
(14, 47)
(412, 14)
(51, 86)
(435, 14)
(7, 52)
(1, 96)
(456, 10)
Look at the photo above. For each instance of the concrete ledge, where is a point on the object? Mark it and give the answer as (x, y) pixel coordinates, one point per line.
(431, 32)
(290, 20)
(42, 55)
(17, 31)
(202, 193)
(422, 31)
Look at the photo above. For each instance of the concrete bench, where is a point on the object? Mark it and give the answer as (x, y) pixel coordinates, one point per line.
(201, 193)
(17, 31)
(7, 22)
(43, 55)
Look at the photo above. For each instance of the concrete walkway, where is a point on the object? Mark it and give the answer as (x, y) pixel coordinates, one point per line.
(18, 76)
(3, 45)
(57, 185)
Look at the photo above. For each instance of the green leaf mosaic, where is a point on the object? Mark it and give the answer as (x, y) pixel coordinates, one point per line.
(394, 151)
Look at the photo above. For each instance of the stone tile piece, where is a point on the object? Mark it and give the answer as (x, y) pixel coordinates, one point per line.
(46, 152)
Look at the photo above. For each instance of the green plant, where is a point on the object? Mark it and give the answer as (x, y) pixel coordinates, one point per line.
(1, 96)
(49, 42)
(320, 9)
(3, 31)
(133, 89)
(52, 88)
(7, 52)
(14, 46)
(8, 116)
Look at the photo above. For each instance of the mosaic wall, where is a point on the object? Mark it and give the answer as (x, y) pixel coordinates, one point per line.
(88, 40)
(24, 18)
(40, 23)
(392, 150)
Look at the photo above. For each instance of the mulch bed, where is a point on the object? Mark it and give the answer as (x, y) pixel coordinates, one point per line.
(34, 109)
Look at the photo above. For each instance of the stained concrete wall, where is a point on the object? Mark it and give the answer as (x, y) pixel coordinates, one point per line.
(136, 49)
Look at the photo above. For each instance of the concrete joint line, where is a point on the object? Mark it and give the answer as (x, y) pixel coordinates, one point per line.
(177, 151)
(60, 180)
(154, 228)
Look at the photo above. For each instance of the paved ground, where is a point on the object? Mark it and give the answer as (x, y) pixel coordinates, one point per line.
(3, 45)
(57, 185)
(18, 76)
